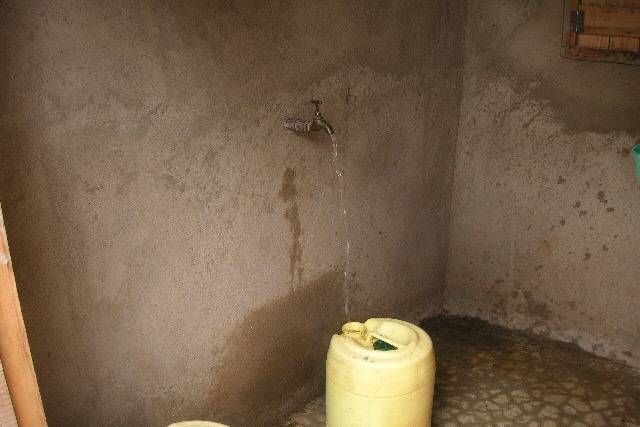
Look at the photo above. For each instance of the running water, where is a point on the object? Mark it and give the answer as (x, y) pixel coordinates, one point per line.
(343, 215)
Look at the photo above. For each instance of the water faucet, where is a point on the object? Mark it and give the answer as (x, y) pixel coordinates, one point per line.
(317, 123)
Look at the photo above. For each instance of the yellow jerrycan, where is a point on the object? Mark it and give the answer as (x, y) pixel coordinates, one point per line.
(380, 373)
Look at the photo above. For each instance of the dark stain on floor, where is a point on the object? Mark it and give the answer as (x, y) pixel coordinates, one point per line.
(488, 375)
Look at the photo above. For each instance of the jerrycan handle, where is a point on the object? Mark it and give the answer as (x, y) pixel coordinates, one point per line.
(358, 332)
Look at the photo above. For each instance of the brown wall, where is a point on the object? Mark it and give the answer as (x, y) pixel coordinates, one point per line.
(545, 209)
(178, 253)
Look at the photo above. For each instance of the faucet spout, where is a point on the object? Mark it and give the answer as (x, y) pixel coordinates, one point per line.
(322, 124)
(317, 123)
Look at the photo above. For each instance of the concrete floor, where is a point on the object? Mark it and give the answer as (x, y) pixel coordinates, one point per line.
(491, 376)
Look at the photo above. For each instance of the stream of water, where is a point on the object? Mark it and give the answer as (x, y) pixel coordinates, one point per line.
(339, 169)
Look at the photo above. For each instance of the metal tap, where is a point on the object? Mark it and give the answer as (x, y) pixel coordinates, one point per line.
(317, 123)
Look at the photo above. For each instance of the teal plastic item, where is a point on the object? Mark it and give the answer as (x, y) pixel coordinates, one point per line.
(383, 346)
(636, 156)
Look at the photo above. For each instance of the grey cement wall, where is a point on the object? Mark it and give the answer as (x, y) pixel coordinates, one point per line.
(179, 255)
(545, 207)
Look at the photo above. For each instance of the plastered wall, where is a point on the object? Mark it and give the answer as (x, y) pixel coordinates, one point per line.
(179, 255)
(544, 232)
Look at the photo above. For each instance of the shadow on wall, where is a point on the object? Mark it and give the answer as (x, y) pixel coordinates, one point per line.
(274, 358)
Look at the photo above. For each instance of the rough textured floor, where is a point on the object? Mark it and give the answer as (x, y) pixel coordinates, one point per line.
(490, 376)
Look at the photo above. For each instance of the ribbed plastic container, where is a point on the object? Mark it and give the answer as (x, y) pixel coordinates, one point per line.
(380, 373)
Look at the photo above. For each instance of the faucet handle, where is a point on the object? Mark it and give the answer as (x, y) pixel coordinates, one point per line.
(317, 103)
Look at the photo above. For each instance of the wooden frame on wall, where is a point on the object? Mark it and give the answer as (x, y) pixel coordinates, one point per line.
(602, 30)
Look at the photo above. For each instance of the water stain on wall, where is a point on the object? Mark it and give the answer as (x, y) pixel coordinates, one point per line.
(275, 356)
(288, 193)
(601, 197)
(537, 310)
